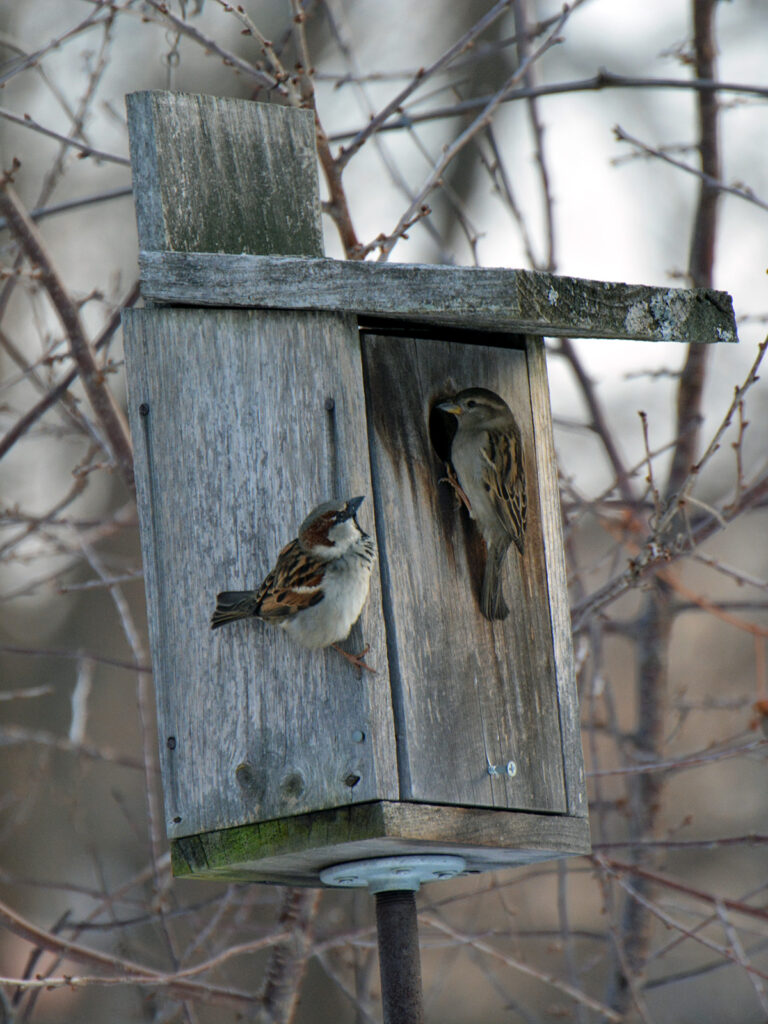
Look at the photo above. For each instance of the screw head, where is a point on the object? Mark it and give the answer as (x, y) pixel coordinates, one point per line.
(143, 409)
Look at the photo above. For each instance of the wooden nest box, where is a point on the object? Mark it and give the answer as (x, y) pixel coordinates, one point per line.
(265, 379)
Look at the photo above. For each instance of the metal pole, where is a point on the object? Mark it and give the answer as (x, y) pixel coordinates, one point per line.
(394, 880)
(399, 959)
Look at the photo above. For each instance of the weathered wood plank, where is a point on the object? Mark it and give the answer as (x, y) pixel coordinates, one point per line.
(213, 174)
(466, 692)
(481, 298)
(293, 851)
(235, 445)
(557, 580)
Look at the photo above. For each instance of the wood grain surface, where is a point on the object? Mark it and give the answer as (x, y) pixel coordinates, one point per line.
(236, 446)
(222, 175)
(467, 693)
(480, 298)
(557, 579)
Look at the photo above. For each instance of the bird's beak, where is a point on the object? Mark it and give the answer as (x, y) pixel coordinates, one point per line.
(451, 407)
(352, 506)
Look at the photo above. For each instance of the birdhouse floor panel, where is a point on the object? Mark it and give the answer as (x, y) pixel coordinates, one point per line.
(293, 851)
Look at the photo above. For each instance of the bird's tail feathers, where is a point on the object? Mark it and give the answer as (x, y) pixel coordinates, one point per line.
(232, 605)
(492, 603)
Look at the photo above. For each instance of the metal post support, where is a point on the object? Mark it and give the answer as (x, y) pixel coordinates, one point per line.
(399, 958)
(394, 882)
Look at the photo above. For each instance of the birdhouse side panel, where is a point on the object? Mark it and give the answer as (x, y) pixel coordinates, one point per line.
(476, 701)
(242, 422)
(557, 581)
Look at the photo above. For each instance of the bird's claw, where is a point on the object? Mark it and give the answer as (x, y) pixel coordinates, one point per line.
(356, 659)
(453, 480)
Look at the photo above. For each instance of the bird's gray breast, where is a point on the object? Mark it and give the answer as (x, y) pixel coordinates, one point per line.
(467, 459)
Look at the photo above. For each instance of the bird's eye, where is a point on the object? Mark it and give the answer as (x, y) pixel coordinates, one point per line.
(471, 403)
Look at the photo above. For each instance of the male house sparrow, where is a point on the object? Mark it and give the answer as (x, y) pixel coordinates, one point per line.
(487, 458)
(319, 584)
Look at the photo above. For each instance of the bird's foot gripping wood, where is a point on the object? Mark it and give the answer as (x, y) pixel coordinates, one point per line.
(356, 659)
(451, 478)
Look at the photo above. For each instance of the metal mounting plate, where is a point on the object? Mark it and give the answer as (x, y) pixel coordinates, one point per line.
(392, 874)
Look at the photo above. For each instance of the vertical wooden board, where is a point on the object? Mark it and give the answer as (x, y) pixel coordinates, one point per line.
(466, 692)
(235, 447)
(568, 698)
(216, 174)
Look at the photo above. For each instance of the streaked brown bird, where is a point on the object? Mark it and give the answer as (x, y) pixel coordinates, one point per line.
(319, 584)
(487, 459)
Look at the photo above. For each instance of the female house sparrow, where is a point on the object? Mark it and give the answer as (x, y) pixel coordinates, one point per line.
(319, 584)
(487, 457)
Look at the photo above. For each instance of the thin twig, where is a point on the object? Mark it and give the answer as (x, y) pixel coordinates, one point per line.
(75, 204)
(478, 125)
(17, 735)
(602, 80)
(55, 394)
(620, 868)
(101, 398)
(537, 129)
(422, 75)
(209, 45)
(711, 181)
(337, 205)
(741, 957)
(77, 655)
(132, 973)
(28, 60)
(483, 946)
(27, 693)
(670, 922)
(598, 422)
(84, 150)
(690, 761)
(655, 555)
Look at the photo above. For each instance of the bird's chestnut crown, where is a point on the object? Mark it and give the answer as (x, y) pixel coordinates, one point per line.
(331, 528)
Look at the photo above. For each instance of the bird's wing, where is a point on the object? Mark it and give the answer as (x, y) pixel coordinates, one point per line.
(294, 584)
(504, 479)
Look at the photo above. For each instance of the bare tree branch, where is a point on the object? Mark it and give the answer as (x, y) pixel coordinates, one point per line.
(104, 405)
(479, 124)
(602, 80)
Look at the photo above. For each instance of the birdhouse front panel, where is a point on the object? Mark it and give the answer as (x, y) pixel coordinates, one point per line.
(475, 678)
(242, 423)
